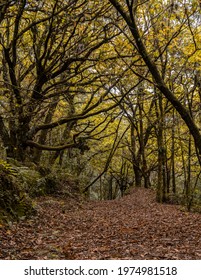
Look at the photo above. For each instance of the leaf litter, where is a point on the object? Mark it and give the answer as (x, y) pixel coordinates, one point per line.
(132, 227)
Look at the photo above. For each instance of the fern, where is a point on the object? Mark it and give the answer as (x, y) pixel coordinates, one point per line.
(7, 168)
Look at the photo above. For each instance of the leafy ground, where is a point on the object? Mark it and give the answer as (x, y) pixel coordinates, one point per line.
(133, 227)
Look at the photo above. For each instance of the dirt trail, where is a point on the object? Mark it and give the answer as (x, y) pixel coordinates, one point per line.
(133, 227)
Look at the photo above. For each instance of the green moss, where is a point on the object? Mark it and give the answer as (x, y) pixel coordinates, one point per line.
(46, 185)
(14, 201)
(29, 179)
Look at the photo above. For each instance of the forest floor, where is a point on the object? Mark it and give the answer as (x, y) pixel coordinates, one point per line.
(132, 227)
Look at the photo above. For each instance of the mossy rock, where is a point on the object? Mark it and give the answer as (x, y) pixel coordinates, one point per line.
(29, 179)
(14, 201)
(37, 182)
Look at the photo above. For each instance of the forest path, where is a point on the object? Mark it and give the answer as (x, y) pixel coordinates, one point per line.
(133, 227)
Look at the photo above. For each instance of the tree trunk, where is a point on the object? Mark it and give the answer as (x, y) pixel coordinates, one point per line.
(173, 157)
(135, 161)
(162, 178)
(188, 179)
(129, 18)
(43, 134)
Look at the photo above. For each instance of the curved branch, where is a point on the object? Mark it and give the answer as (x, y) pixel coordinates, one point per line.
(51, 148)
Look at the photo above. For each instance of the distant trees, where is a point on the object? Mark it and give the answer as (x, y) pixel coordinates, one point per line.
(166, 38)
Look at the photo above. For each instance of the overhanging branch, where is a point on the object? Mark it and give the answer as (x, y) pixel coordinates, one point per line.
(51, 148)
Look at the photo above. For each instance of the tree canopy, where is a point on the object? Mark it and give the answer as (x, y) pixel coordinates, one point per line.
(109, 90)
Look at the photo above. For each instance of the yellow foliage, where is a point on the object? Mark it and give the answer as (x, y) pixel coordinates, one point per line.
(7, 168)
